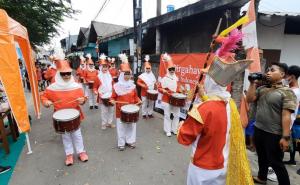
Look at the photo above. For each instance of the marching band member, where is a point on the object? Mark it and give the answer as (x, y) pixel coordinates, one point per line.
(51, 71)
(124, 92)
(103, 87)
(113, 71)
(146, 81)
(214, 130)
(90, 75)
(80, 73)
(59, 94)
(169, 84)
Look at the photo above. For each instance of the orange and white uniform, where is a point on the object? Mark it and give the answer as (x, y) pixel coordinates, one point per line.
(210, 128)
(170, 84)
(80, 73)
(113, 71)
(104, 88)
(91, 75)
(125, 91)
(62, 94)
(146, 81)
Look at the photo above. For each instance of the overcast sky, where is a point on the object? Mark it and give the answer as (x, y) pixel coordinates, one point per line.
(120, 12)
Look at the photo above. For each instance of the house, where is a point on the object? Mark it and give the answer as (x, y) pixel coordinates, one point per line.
(68, 44)
(278, 35)
(88, 37)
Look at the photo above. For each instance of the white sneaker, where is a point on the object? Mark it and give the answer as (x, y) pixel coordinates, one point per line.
(271, 175)
(103, 127)
(168, 134)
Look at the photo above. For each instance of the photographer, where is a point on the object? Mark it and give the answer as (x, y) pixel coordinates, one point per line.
(275, 104)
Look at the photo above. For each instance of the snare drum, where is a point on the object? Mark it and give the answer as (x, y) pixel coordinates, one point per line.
(152, 95)
(105, 98)
(91, 84)
(130, 113)
(115, 79)
(66, 120)
(177, 99)
(81, 80)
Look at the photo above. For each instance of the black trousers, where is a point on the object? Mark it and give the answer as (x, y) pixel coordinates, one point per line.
(270, 154)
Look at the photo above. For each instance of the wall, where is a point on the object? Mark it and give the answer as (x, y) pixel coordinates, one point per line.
(116, 46)
(271, 36)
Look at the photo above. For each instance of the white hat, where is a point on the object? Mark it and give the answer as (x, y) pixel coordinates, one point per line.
(123, 58)
(147, 58)
(88, 55)
(102, 56)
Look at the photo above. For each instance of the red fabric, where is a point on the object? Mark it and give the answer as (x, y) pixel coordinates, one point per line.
(209, 151)
(80, 72)
(113, 72)
(64, 97)
(90, 76)
(143, 86)
(50, 74)
(166, 96)
(130, 98)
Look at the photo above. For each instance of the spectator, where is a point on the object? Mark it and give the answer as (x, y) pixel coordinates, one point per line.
(275, 104)
(292, 79)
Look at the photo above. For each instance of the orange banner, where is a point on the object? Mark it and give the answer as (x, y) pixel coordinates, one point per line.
(188, 67)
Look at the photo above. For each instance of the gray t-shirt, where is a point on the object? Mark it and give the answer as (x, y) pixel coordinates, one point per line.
(270, 103)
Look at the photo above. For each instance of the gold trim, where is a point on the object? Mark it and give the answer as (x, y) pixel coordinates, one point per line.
(195, 114)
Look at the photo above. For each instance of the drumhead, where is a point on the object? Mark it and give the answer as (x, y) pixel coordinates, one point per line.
(152, 91)
(131, 108)
(179, 95)
(66, 114)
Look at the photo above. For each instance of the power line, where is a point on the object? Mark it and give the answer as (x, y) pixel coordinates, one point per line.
(102, 7)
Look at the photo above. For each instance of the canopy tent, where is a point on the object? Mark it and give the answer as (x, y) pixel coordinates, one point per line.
(10, 32)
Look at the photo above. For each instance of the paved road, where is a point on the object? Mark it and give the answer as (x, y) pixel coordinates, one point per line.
(157, 160)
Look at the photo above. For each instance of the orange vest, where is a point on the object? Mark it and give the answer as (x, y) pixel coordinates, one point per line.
(141, 83)
(131, 98)
(212, 133)
(166, 96)
(90, 76)
(64, 97)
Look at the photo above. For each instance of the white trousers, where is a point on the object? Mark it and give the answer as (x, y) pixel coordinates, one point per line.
(126, 133)
(107, 114)
(171, 125)
(85, 89)
(92, 97)
(71, 140)
(199, 176)
(147, 106)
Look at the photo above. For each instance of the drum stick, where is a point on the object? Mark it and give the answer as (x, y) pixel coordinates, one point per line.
(122, 102)
(75, 100)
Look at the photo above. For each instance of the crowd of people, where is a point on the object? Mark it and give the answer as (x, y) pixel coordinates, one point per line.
(212, 127)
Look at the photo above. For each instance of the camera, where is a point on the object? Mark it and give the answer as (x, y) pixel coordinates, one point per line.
(257, 76)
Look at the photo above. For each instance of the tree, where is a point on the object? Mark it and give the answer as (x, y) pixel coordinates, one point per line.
(41, 17)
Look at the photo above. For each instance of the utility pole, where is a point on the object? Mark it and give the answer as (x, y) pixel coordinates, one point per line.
(157, 35)
(137, 25)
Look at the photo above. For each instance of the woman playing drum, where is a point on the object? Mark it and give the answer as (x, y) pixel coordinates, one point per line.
(124, 92)
(169, 85)
(90, 76)
(103, 87)
(147, 81)
(65, 93)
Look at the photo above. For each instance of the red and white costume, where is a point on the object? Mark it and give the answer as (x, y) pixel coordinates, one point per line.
(80, 73)
(50, 73)
(146, 81)
(104, 88)
(125, 91)
(170, 84)
(91, 75)
(63, 92)
(209, 136)
(112, 70)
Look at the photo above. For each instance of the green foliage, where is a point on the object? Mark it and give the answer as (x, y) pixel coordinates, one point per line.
(41, 17)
